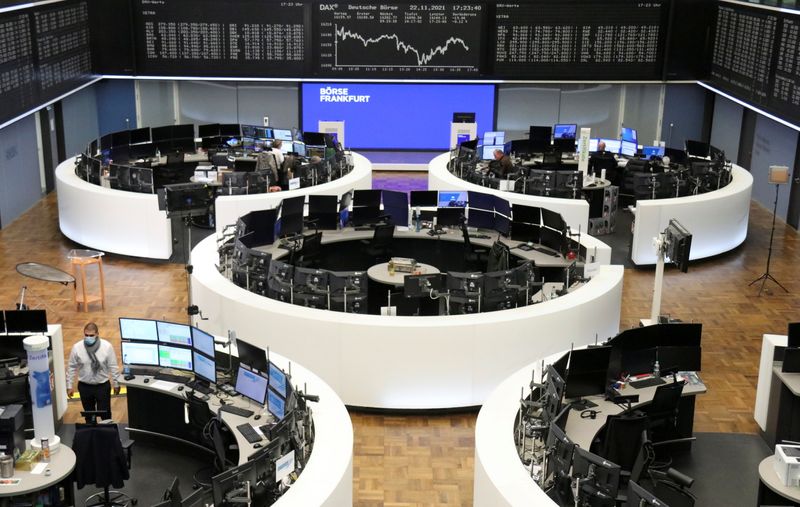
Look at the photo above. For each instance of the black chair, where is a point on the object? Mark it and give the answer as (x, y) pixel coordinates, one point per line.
(622, 439)
(380, 246)
(476, 258)
(663, 410)
(670, 483)
(103, 460)
(310, 251)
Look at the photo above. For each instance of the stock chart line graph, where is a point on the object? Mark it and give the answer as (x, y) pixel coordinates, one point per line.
(399, 38)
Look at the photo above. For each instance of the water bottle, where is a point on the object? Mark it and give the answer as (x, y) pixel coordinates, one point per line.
(657, 370)
(417, 224)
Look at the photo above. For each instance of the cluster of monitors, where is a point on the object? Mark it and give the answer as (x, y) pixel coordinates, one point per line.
(317, 288)
(791, 354)
(182, 347)
(23, 321)
(127, 145)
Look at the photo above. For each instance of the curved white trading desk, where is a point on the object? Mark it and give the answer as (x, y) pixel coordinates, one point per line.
(574, 211)
(116, 221)
(228, 208)
(391, 362)
(717, 220)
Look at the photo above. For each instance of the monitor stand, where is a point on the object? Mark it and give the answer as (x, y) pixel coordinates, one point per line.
(582, 404)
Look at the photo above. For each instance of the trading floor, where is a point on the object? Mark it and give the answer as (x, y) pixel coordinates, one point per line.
(428, 459)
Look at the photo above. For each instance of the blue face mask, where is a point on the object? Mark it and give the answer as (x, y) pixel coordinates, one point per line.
(89, 340)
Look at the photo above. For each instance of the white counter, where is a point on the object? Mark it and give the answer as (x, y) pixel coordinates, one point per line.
(408, 362)
(116, 221)
(228, 208)
(574, 211)
(717, 220)
(766, 381)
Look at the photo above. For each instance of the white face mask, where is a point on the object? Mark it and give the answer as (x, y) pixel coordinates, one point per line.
(89, 340)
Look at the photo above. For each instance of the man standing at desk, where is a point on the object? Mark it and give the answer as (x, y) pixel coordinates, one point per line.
(95, 362)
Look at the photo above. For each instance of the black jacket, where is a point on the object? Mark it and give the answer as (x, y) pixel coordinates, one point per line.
(100, 458)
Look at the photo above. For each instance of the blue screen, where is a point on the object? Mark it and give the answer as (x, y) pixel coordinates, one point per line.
(396, 116)
(629, 135)
(277, 379)
(203, 341)
(252, 385)
(275, 404)
(205, 367)
(650, 151)
(456, 199)
(564, 131)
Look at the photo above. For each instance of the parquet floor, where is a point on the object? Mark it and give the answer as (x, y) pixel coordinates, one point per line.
(428, 460)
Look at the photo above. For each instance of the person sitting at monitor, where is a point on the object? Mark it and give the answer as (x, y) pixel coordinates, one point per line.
(602, 159)
(601, 147)
(501, 166)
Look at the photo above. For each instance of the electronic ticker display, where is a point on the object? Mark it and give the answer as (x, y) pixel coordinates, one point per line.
(575, 39)
(213, 38)
(399, 39)
(17, 68)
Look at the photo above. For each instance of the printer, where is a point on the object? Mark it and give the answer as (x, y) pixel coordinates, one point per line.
(12, 434)
(787, 464)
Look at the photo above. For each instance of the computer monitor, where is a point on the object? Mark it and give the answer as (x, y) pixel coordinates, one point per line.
(565, 131)
(352, 282)
(299, 148)
(395, 204)
(560, 365)
(424, 198)
(588, 372)
(277, 379)
(526, 214)
(449, 217)
(284, 135)
(480, 219)
(204, 367)
(371, 198)
(494, 137)
(231, 480)
(229, 130)
(652, 151)
(562, 450)
(525, 232)
(629, 134)
(697, 148)
(539, 140)
(138, 329)
(2, 322)
(599, 477)
(251, 385)
(252, 356)
(203, 342)
(310, 280)
(468, 283)
(178, 358)
(555, 378)
(564, 138)
(145, 354)
(276, 405)
(176, 334)
(612, 145)
(592, 144)
(793, 334)
(553, 220)
(640, 497)
(26, 321)
(487, 151)
(281, 271)
(627, 148)
(457, 199)
(141, 135)
(421, 285)
(561, 419)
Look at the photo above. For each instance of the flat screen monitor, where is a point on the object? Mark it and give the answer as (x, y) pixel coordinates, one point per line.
(424, 198)
(451, 199)
(565, 131)
(203, 341)
(121, 138)
(314, 138)
(161, 133)
(539, 138)
(230, 480)
(26, 321)
(299, 148)
(640, 497)
(612, 145)
(421, 285)
(229, 130)
(527, 233)
(139, 353)
(184, 131)
(178, 358)
(252, 356)
(526, 214)
(627, 148)
(284, 135)
(592, 144)
(175, 334)
(205, 367)
(697, 148)
(480, 219)
(602, 474)
(449, 217)
(494, 138)
(276, 405)
(629, 134)
(487, 153)
(370, 198)
(277, 379)
(395, 204)
(138, 329)
(293, 206)
(141, 135)
(481, 201)
(793, 334)
(251, 385)
(652, 151)
(552, 219)
(588, 371)
(2, 322)
(209, 130)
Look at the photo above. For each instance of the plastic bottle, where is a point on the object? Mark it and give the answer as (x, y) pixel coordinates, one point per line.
(657, 370)
(415, 218)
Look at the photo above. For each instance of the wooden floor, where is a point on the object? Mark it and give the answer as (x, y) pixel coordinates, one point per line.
(416, 460)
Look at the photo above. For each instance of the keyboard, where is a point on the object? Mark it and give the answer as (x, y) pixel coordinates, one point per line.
(480, 236)
(648, 382)
(249, 433)
(178, 379)
(236, 410)
(199, 387)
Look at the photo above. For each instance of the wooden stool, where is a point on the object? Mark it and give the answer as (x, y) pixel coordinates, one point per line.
(80, 259)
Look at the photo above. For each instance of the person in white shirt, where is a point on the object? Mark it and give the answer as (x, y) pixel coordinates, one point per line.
(276, 150)
(94, 361)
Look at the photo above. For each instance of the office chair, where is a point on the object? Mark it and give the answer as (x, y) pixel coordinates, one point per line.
(622, 439)
(102, 459)
(663, 410)
(474, 257)
(310, 251)
(380, 246)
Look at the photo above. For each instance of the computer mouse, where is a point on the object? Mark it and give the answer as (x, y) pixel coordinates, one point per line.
(257, 417)
(180, 388)
(256, 446)
(146, 380)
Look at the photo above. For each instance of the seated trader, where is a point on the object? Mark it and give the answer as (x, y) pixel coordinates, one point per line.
(602, 159)
(276, 151)
(94, 361)
(501, 166)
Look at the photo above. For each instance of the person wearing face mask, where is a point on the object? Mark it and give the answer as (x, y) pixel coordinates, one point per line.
(94, 361)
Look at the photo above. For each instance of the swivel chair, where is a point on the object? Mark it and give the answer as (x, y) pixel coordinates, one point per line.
(380, 246)
(672, 484)
(310, 250)
(475, 258)
(663, 410)
(622, 440)
(103, 460)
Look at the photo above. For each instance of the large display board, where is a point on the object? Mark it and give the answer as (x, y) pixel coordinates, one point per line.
(399, 39)
(213, 38)
(575, 39)
(44, 52)
(757, 57)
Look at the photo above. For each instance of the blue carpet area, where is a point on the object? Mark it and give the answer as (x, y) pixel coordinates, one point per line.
(400, 157)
